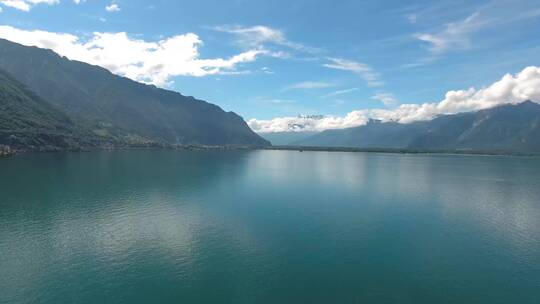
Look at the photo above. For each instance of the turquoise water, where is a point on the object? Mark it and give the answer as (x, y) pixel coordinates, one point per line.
(268, 227)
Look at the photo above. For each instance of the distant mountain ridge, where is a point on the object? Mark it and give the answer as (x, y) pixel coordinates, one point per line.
(120, 110)
(286, 138)
(504, 128)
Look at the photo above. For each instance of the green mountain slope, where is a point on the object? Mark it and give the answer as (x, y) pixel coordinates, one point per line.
(113, 106)
(28, 122)
(503, 128)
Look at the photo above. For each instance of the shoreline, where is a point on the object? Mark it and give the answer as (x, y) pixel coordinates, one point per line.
(405, 151)
(6, 151)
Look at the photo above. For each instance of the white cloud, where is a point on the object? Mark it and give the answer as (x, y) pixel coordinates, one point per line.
(113, 7)
(79, 1)
(309, 85)
(455, 35)
(259, 36)
(362, 69)
(339, 92)
(307, 123)
(146, 61)
(254, 36)
(387, 99)
(26, 5)
(267, 70)
(510, 89)
(274, 101)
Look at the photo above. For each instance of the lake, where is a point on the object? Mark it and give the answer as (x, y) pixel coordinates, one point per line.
(269, 227)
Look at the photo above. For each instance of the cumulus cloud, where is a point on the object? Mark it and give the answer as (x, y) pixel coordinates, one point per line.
(363, 70)
(307, 123)
(146, 61)
(26, 5)
(510, 89)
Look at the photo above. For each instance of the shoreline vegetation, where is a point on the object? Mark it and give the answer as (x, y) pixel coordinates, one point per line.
(6, 151)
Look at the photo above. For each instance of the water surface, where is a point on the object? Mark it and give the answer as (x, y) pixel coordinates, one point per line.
(268, 227)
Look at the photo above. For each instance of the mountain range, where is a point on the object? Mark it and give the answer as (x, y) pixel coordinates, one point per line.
(48, 102)
(87, 105)
(510, 127)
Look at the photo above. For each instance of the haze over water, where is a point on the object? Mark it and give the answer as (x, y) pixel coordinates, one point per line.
(268, 227)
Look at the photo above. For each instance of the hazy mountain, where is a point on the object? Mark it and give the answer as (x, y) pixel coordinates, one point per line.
(286, 138)
(116, 107)
(504, 128)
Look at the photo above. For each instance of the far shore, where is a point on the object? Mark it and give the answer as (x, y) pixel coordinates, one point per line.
(6, 151)
(403, 151)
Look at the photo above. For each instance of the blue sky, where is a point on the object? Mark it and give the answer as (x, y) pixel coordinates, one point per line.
(307, 57)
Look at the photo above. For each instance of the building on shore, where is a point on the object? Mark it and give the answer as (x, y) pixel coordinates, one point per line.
(6, 150)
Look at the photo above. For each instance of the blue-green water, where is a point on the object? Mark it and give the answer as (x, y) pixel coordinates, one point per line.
(268, 227)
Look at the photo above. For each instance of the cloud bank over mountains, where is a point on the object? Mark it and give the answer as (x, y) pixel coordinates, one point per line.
(154, 62)
(510, 89)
